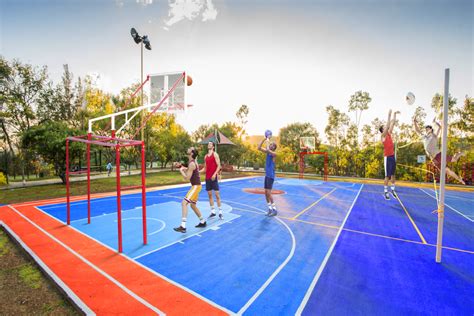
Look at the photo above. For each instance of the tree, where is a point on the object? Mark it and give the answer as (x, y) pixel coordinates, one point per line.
(242, 115)
(61, 102)
(21, 86)
(437, 105)
(290, 136)
(49, 141)
(358, 103)
(338, 123)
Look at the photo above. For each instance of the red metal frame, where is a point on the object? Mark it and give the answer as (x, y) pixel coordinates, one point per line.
(116, 143)
(302, 164)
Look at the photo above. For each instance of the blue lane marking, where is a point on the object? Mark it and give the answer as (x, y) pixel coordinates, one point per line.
(161, 218)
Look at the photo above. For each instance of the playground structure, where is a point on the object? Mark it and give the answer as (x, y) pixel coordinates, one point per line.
(165, 93)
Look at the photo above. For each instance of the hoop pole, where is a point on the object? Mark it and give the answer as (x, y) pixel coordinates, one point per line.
(439, 240)
(67, 184)
(89, 138)
(126, 103)
(159, 105)
(325, 166)
(144, 194)
(119, 204)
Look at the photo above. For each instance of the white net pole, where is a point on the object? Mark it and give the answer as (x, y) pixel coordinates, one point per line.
(444, 145)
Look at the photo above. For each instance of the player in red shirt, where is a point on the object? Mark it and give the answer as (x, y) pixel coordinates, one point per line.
(389, 153)
(212, 167)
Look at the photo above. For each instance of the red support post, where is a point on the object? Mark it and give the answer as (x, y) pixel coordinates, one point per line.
(119, 204)
(326, 166)
(67, 184)
(89, 138)
(144, 194)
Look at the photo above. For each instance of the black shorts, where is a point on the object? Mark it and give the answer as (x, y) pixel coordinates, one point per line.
(390, 166)
(212, 185)
(269, 183)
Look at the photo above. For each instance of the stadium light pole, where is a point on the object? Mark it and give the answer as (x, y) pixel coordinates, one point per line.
(142, 40)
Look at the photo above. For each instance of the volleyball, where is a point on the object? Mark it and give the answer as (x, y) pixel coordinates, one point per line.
(410, 98)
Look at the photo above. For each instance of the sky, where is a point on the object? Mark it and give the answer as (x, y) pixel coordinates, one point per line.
(286, 60)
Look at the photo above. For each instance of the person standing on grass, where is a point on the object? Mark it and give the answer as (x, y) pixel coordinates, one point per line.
(190, 173)
(390, 163)
(212, 166)
(269, 150)
(109, 168)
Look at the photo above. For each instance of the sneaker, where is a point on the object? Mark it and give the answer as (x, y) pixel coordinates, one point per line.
(269, 212)
(273, 213)
(221, 216)
(212, 215)
(180, 229)
(395, 195)
(202, 224)
(387, 197)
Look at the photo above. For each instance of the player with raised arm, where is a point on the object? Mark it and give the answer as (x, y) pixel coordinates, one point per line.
(430, 143)
(269, 150)
(390, 163)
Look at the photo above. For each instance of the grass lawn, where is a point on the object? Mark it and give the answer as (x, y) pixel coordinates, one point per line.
(24, 289)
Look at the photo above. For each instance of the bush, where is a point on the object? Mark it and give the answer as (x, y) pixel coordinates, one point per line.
(3, 180)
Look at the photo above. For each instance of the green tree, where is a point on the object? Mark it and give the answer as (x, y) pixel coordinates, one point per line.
(21, 86)
(242, 117)
(61, 102)
(49, 141)
(437, 105)
(336, 129)
(358, 103)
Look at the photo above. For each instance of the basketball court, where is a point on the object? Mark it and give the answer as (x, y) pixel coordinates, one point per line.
(334, 248)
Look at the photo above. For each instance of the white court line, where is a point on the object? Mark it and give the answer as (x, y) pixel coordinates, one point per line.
(452, 208)
(105, 214)
(277, 271)
(148, 218)
(326, 259)
(210, 227)
(143, 266)
(77, 301)
(455, 197)
(90, 264)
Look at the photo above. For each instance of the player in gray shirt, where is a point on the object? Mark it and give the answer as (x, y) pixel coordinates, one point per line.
(430, 142)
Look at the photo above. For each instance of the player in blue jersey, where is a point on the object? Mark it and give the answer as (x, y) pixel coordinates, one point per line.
(269, 150)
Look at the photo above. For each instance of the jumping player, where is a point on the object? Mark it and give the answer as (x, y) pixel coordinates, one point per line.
(389, 154)
(430, 142)
(212, 166)
(269, 174)
(192, 174)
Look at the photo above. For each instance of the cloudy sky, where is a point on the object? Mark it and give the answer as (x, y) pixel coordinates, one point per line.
(286, 59)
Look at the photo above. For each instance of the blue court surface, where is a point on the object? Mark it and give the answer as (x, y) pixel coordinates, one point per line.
(335, 248)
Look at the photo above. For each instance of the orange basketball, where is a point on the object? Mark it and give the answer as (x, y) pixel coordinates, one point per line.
(189, 80)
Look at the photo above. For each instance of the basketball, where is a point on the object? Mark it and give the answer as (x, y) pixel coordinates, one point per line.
(268, 133)
(410, 98)
(189, 80)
